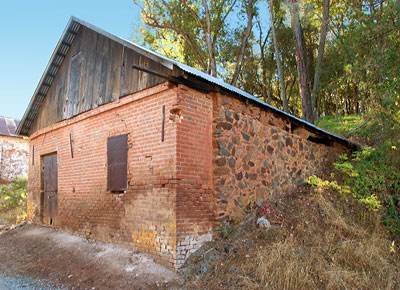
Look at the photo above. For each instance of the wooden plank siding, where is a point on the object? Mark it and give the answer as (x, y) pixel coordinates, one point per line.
(96, 71)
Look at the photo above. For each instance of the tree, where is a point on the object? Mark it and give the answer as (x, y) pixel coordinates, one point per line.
(199, 28)
(318, 66)
(301, 60)
(250, 11)
(359, 71)
(278, 59)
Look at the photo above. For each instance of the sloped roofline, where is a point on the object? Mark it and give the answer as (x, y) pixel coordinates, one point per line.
(8, 126)
(68, 37)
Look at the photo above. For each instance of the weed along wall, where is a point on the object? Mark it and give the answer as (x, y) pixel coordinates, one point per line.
(258, 153)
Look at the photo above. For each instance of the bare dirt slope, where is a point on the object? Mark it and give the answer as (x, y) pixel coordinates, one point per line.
(60, 260)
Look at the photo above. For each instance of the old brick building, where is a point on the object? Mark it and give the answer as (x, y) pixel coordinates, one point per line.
(14, 151)
(132, 148)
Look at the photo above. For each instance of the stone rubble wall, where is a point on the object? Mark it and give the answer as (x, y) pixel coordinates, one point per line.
(258, 154)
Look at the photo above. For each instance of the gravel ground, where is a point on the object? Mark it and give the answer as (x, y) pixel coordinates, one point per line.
(11, 283)
(35, 257)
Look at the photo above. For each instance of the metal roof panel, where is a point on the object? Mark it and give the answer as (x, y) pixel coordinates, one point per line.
(8, 126)
(69, 36)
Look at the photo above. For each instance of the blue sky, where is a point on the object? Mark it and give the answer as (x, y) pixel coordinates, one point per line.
(29, 32)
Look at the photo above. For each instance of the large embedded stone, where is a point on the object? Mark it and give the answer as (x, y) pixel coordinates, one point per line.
(236, 140)
(221, 161)
(226, 126)
(228, 119)
(289, 142)
(253, 176)
(221, 143)
(262, 222)
(245, 136)
(232, 162)
(247, 158)
(221, 171)
(224, 152)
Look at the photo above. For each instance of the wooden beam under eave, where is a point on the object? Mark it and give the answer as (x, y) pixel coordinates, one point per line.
(72, 32)
(38, 103)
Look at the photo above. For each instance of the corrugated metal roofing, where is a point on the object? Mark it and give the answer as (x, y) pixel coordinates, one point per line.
(233, 89)
(69, 36)
(8, 126)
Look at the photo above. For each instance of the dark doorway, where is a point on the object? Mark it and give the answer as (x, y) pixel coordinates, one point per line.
(50, 186)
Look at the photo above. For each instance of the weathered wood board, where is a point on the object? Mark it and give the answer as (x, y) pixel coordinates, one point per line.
(96, 71)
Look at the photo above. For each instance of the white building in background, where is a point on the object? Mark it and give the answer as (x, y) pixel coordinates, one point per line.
(14, 151)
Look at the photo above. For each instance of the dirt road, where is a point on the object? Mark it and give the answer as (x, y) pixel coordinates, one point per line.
(34, 257)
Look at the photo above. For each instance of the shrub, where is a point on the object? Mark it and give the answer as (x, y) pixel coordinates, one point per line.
(14, 194)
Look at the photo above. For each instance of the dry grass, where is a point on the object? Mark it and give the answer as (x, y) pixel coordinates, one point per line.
(327, 243)
(12, 216)
(337, 255)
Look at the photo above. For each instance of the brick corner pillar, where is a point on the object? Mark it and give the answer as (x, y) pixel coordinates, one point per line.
(194, 195)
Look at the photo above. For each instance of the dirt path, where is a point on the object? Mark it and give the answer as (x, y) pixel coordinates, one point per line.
(34, 257)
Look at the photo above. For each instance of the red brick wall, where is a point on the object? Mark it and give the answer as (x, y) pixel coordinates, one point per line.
(144, 216)
(194, 172)
(257, 154)
(218, 153)
(13, 157)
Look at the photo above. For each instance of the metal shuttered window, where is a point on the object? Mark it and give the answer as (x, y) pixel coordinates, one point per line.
(117, 152)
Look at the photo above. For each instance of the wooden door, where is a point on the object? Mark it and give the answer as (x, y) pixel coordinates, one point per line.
(50, 198)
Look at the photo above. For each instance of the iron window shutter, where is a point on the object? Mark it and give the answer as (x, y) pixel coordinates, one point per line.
(117, 151)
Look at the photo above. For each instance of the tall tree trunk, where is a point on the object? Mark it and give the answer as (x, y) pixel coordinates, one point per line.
(246, 35)
(398, 12)
(337, 105)
(301, 63)
(262, 42)
(269, 91)
(278, 59)
(211, 55)
(321, 49)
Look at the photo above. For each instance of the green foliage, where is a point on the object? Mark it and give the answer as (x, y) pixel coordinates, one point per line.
(346, 168)
(320, 184)
(392, 217)
(14, 194)
(371, 202)
(372, 175)
(361, 64)
(374, 180)
(227, 230)
(341, 126)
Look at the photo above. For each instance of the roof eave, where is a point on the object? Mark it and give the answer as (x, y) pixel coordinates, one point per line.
(21, 124)
(169, 63)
